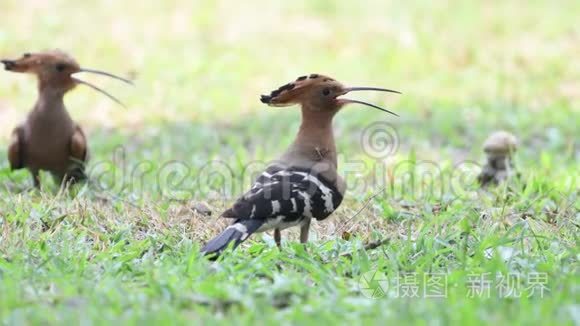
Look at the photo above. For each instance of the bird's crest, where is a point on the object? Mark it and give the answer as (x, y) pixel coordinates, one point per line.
(279, 96)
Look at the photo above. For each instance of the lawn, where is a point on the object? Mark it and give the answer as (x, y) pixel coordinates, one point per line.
(125, 247)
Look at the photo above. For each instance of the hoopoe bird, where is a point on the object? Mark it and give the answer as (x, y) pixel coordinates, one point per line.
(49, 139)
(499, 148)
(303, 183)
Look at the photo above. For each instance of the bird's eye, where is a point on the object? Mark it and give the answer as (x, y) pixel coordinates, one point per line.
(60, 67)
(326, 91)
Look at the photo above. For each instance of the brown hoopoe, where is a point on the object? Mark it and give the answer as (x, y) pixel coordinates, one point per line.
(499, 148)
(49, 139)
(303, 183)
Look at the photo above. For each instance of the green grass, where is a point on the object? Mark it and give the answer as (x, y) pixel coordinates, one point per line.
(128, 250)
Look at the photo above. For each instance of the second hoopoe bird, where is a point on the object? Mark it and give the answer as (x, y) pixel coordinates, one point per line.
(303, 183)
(49, 139)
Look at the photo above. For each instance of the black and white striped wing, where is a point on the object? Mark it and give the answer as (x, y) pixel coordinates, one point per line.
(287, 196)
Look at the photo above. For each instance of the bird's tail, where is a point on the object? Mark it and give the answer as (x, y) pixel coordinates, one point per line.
(238, 232)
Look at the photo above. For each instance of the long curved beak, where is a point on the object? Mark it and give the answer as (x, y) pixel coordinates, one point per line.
(104, 73)
(99, 90)
(343, 101)
(354, 89)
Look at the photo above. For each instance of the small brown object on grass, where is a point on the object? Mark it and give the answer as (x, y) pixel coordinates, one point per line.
(499, 148)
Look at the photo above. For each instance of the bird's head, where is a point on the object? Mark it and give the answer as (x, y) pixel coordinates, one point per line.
(318, 93)
(56, 70)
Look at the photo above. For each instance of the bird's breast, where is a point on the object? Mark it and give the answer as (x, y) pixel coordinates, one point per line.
(47, 142)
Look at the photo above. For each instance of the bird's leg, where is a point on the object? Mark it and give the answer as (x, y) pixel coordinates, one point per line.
(36, 179)
(278, 238)
(304, 228)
